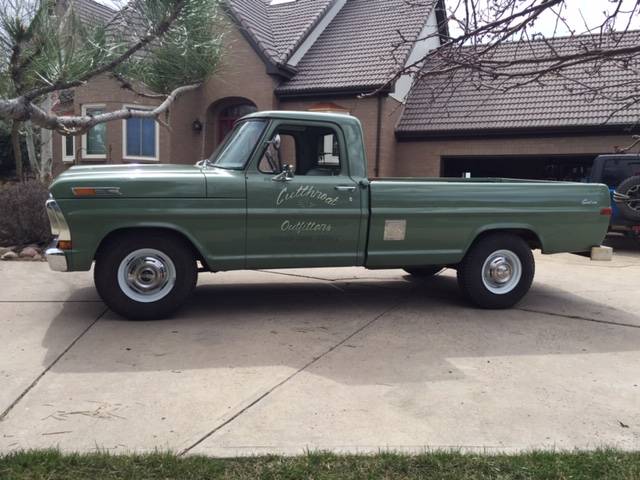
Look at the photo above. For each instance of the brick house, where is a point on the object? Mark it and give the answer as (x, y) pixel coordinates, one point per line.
(318, 55)
(321, 55)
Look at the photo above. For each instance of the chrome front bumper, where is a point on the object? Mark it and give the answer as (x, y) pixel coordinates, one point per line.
(56, 259)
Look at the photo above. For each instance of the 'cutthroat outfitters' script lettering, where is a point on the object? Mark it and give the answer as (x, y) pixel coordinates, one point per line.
(307, 192)
(304, 227)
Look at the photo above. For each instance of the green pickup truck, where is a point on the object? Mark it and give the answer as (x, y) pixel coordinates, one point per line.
(290, 190)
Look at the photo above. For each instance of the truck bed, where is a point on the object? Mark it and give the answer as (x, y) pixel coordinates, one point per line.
(429, 221)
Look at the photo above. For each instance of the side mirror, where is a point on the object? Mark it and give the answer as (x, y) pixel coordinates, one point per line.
(286, 175)
(275, 142)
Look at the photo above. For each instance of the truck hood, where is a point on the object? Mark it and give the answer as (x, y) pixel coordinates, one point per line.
(134, 181)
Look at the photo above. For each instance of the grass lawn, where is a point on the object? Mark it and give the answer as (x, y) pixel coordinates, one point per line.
(52, 465)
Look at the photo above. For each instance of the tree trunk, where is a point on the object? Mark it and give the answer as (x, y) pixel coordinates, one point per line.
(31, 150)
(46, 147)
(17, 149)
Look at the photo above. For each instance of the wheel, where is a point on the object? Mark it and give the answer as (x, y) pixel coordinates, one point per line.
(627, 197)
(145, 277)
(497, 271)
(424, 272)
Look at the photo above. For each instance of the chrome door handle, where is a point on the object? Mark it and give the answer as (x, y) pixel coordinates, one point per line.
(345, 188)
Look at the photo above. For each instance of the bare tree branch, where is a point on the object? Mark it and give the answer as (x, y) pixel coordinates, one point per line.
(628, 148)
(22, 109)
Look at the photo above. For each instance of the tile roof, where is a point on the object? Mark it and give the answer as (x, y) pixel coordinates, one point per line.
(279, 29)
(358, 49)
(91, 12)
(465, 102)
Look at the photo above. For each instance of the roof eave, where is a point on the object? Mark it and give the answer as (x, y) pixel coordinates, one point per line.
(573, 130)
(286, 71)
(383, 89)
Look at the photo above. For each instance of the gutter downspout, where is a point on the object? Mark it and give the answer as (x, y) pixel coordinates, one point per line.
(376, 169)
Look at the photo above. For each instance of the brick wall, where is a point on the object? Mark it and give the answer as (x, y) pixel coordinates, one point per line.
(240, 75)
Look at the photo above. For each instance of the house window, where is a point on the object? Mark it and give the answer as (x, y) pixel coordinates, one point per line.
(68, 148)
(140, 137)
(230, 115)
(94, 142)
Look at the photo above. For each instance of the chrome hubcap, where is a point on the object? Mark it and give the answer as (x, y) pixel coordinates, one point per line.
(146, 275)
(501, 272)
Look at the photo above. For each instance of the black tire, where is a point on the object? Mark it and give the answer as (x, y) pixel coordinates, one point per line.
(182, 269)
(630, 188)
(424, 272)
(477, 285)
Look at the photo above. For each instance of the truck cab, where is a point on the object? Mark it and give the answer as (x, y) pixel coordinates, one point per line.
(306, 194)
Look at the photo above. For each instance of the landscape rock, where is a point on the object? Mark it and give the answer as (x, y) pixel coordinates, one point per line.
(38, 258)
(29, 252)
(4, 250)
(9, 256)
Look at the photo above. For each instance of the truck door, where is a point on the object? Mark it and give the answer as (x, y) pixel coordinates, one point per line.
(303, 208)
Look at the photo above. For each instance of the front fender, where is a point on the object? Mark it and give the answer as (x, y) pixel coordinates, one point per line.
(81, 259)
(215, 227)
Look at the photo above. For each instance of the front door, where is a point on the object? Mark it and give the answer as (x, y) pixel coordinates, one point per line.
(304, 209)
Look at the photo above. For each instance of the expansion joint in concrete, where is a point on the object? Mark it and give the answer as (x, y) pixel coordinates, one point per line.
(579, 317)
(290, 377)
(6, 412)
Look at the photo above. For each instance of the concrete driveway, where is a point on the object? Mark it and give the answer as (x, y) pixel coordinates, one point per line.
(331, 359)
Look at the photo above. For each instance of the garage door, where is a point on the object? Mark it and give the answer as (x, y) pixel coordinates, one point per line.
(551, 167)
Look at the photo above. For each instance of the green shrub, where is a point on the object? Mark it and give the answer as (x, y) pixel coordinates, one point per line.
(23, 219)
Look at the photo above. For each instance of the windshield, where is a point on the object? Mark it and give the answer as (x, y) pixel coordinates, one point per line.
(234, 152)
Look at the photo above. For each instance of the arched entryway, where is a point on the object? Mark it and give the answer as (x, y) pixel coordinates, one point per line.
(222, 116)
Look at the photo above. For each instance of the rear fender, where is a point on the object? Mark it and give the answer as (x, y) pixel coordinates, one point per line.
(524, 230)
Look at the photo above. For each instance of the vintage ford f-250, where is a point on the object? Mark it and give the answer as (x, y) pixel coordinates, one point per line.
(290, 190)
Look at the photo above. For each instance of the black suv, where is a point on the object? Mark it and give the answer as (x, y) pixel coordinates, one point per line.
(622, 174)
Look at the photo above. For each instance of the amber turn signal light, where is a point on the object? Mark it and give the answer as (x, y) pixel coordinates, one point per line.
(64, 245)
